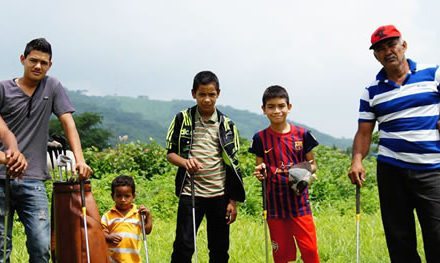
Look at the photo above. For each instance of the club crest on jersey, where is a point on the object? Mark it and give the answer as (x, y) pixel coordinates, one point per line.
(298, 146)
(275, 246)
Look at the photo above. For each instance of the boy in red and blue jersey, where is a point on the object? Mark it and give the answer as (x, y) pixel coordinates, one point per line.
(278, 148)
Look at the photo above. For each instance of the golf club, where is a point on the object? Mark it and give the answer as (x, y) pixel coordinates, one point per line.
(66, 162)
(7, 206)
(266, 245)
(52, 164)
(358, 219)
(84, 212)
(144, 236)
(62, 162)
(193, 202)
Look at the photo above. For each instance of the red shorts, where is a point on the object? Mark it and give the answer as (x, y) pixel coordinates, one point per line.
(284, 233)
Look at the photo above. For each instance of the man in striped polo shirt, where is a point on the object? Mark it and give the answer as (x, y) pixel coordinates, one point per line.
(404, 100)
(203, 143)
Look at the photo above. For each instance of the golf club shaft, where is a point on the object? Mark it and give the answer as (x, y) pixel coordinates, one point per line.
(84, 211)
(52, 164)
(6, 223)
(144, 236)
(358, 218)
(266, 245)
(60, 170)
(193, 202)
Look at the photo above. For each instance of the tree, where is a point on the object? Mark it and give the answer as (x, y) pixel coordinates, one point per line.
(87, 124)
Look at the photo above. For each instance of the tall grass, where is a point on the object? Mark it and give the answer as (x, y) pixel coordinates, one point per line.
(332, 197)
(336, 240)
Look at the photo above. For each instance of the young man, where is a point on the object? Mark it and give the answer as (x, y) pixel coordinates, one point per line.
(404, 99)
(204, 143)
(122, 225)
(26, 104)
(284, 157)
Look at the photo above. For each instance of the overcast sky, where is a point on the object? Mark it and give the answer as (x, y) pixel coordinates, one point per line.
(317, 49)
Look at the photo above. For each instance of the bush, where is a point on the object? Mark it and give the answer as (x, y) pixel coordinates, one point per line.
(334, 188)
(147, 163)
(143, 159)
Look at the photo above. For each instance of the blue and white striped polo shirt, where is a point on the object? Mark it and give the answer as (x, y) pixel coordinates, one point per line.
(407, 116)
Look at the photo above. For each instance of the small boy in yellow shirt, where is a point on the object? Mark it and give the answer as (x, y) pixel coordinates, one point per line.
(122, 224)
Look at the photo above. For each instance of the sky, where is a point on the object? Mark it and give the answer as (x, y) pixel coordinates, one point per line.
(317, 50)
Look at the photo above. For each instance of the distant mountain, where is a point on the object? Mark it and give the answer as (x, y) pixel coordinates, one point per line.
(142, 118)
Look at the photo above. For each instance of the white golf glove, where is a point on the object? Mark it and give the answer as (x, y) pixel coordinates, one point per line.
(300, 176)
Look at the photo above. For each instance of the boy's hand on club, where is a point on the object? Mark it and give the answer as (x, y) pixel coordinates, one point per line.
(192, 165)
(231, 212)
(260, 171)
(143, 210)
(148, 218)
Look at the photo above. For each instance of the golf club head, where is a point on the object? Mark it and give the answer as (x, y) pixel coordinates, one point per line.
(54, 144)
(65, 162)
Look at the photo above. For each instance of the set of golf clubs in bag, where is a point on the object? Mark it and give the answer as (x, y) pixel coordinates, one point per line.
(64, 164)
(66, 216)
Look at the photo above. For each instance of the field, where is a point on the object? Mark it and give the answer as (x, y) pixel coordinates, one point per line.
(332, 197)
(336, 240)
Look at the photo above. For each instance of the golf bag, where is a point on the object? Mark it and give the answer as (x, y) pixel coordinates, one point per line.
(68, 239)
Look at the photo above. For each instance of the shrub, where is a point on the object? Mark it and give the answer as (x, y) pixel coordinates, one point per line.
(143, 159)
(334, 188)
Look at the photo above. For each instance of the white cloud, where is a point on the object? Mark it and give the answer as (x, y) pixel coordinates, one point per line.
(316, 49)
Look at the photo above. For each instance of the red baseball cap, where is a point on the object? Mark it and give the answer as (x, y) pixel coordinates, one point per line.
(382, 33)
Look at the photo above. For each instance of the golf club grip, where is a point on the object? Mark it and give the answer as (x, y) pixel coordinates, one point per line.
(358, 199)
(82, 192)
(143, 225)
(7, 192)
(264, 189)
(191, 178)
(7, 204)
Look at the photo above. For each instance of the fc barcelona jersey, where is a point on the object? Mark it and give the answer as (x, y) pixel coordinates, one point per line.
(280, 151)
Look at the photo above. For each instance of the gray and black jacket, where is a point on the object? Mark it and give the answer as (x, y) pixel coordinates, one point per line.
(179, 141)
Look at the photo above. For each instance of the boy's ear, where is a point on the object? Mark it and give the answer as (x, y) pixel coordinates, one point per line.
(193, 93)
(263, 109)
(289, 107)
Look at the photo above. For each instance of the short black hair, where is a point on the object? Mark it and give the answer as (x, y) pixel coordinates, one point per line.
(275, 91)
(123, 180)
(205, 78)
(40, 44)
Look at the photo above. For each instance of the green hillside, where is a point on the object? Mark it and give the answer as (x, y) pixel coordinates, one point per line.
(142, 118)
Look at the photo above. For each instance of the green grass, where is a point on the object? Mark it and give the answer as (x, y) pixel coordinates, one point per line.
(336, 239)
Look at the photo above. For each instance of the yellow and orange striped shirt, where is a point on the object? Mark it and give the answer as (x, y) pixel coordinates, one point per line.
(129, 227)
